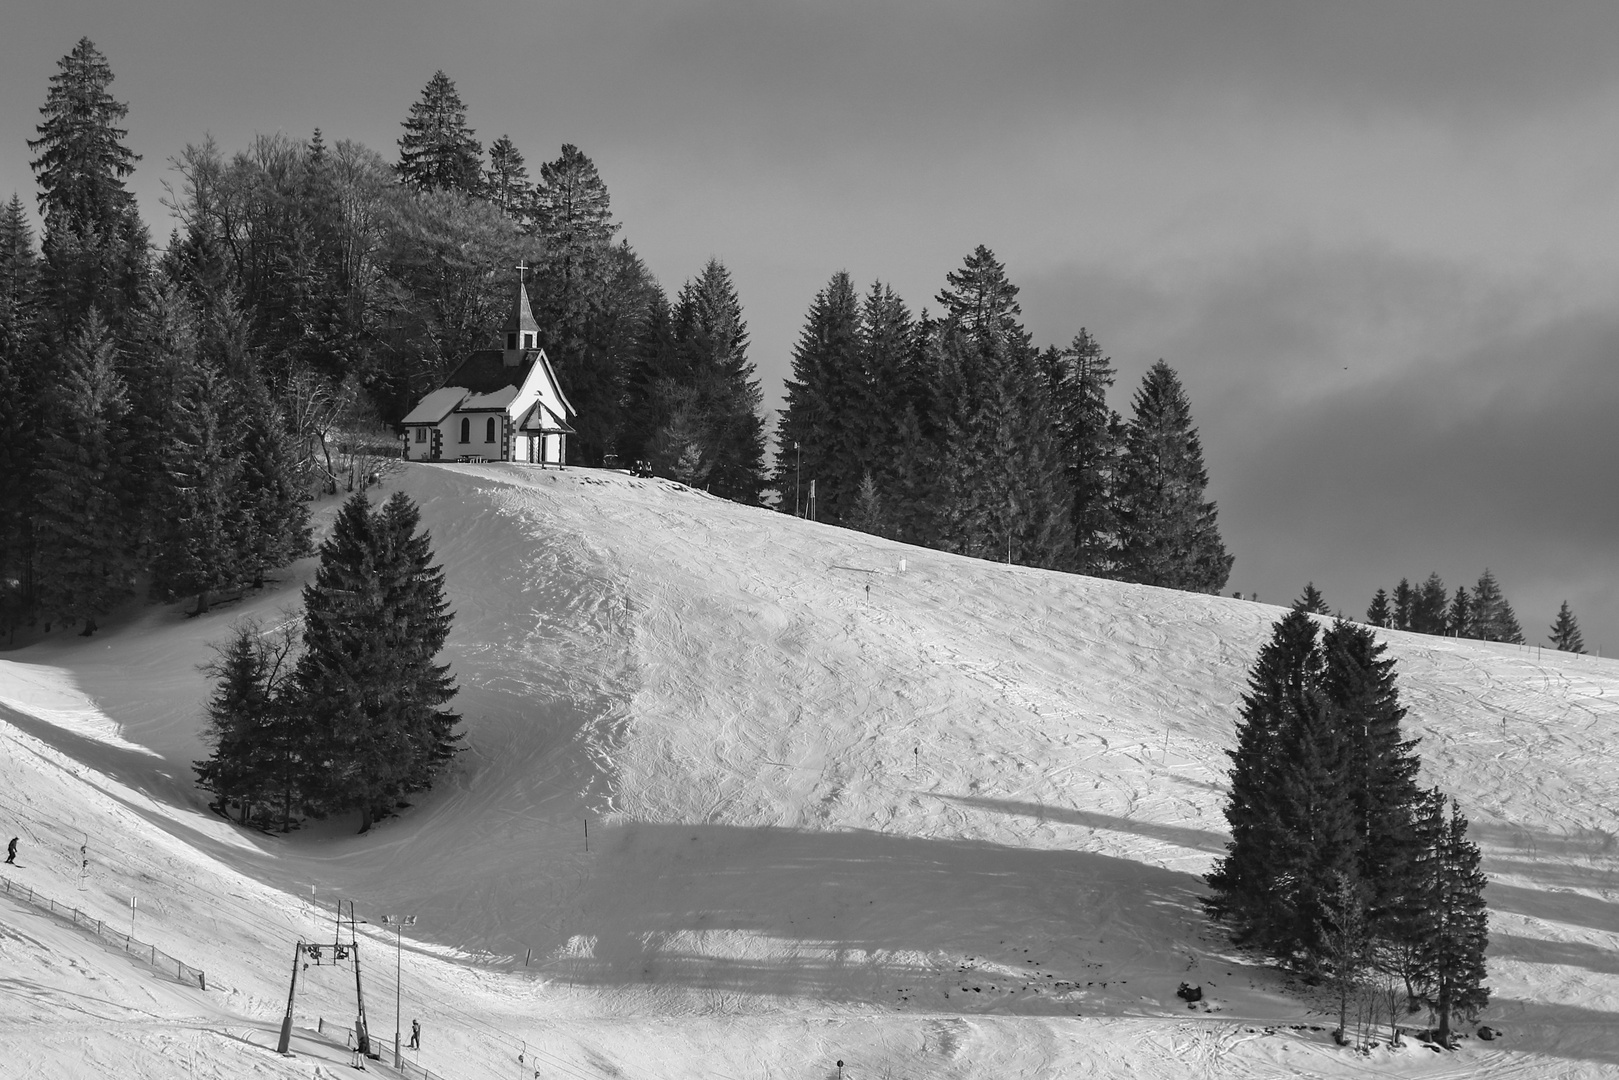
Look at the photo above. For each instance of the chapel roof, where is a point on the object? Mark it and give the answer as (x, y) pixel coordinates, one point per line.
(521, 316)
(435, 406)
(485, 371)
(540, 419)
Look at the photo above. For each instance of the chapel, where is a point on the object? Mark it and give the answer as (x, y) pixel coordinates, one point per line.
(501, 404)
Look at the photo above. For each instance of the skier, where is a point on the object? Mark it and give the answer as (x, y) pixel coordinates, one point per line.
(356, 1059)
(11, 851)
(415, 1034)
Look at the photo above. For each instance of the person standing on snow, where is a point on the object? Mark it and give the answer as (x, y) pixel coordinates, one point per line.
(415, 1034)
(11, 851)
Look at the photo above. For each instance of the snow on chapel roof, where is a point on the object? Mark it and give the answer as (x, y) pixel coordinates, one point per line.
(436, 406)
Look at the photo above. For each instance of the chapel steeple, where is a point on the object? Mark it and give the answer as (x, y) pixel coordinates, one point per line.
(521, 334)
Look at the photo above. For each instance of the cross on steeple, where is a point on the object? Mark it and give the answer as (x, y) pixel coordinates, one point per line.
(522, 266)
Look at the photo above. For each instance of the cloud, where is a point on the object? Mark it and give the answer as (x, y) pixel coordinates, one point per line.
(1473, 426)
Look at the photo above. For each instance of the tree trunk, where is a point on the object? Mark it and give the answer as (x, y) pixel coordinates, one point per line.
(365, 819)
(1444, 1012)
(202, 603)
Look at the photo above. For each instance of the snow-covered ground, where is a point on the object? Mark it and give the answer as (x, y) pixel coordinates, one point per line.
(945, 821)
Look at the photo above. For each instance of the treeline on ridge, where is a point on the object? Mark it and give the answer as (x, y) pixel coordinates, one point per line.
(956, 432)
(164, 416)
(1484, 614)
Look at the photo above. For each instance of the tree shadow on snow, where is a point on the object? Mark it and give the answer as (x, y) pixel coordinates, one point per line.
(1180, 835)
(1554, 904)
(1565, 1031)
(860, 916)
(1563, 953)
(1539, 844)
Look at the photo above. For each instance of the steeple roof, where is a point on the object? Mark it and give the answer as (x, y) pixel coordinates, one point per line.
(522, 313)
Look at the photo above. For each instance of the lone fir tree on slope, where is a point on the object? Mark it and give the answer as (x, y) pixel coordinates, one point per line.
(1565, 634)
(375, 619)
(1322, 785)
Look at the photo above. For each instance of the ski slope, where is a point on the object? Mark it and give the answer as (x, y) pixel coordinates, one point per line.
(941, 821)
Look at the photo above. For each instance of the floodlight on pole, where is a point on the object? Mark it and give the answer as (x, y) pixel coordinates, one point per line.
(398, 922)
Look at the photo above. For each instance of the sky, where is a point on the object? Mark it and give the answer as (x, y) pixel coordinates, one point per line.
(1379, 241)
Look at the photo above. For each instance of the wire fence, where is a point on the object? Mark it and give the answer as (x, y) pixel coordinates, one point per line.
(159, 960)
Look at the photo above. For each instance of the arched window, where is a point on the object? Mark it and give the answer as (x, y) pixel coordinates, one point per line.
(489, 430)
(466, 429)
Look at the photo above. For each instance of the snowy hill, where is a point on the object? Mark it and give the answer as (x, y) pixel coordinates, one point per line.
(945, 821)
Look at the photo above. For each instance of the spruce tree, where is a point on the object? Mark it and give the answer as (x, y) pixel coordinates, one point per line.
(590, 298)
(657, 368)
(1459, 620)
(21, 360)
(1565, 635)
(94, 244)
(712, 339)
(1429, 605)
(343, 673)
(1404, 600)
(868, 514)
(572, 209)
(1169, 534)
(375, 619)
(885, 389)
(1320, 839)
(1455, 931)
(257, 741)
(1282, 686)
(84, 562)
(1379, 613)
(200, 541)
(1507, 624)
(415, 602)
(506, 182)
(1494, 616)
(274, 503)
(438, 151)
(1003, 492)
(1358, 682)
(912, 512)
(1321, 799)
(982, 301)
(1089, 435)
(822, 430)
(1311, 601)
(235, 716)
